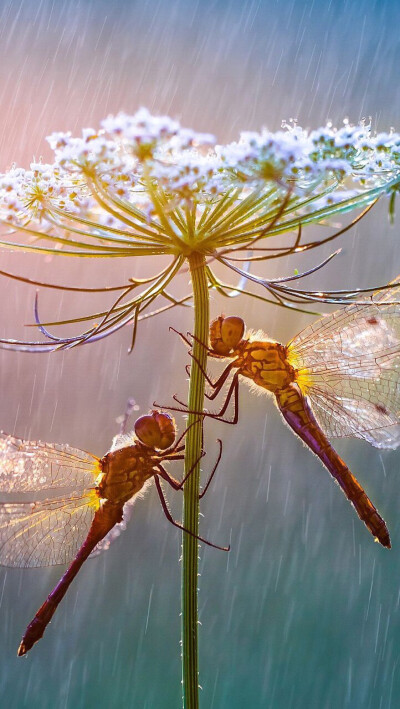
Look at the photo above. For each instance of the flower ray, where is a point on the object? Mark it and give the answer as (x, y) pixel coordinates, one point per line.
(145, 186)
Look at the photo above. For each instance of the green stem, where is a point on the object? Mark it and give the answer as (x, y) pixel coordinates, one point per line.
(190, 671)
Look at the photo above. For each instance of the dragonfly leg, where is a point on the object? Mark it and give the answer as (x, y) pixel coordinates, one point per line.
(178, 524)
(173, 457)
(186, 340)
(179, 449)
(209, 350)
(176, 448)
(175, 483)
(179, 401)
(182, 403)
(182, 336)
(194, 466)
(215, 385)
(213, 470)
(218, 384)
(233, 391)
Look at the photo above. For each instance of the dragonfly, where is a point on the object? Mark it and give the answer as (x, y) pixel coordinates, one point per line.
(95, 497)
(339, 377)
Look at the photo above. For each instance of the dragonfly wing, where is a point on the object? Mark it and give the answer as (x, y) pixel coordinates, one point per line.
(32, 465)
(45, 533)
(116, 531)
(341, 416)
(348, 364)
(392, 293)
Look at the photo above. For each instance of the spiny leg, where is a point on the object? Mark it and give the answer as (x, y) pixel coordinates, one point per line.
(174, 456)
(213, 470)
(175, 448)
(208, 349)
(176, 485)
(171, 480)
(186, 340)
(182, 336)
(233, 391)
(217, 385)
(167, 477)
(178, 524)
(179, 450)
(187, 367)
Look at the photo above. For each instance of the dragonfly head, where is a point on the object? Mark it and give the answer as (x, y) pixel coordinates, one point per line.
(156, 430)
(226, 333)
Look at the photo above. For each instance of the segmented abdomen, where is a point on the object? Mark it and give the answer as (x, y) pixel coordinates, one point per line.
(298, 414)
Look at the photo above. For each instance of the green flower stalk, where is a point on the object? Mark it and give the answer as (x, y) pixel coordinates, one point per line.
(143, 186)
(191, 508)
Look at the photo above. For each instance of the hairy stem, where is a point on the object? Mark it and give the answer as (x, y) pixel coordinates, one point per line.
(190, 670)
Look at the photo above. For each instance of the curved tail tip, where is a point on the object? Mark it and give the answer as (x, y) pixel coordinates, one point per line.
(384, 540)
(22, 650)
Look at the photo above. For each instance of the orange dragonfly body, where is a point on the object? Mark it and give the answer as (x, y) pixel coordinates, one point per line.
(339, 377)
(84, 522)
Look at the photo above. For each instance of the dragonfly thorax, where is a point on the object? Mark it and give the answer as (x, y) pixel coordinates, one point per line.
(265, 363)
(124, 472)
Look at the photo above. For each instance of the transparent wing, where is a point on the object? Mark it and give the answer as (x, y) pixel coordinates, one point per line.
(343, 416)
(349, 366)
(116, 531)
(32, 465)
(45, 533)
(392, 293)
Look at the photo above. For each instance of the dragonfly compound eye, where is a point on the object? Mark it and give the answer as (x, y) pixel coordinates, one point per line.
(156, 430)
(226, 333)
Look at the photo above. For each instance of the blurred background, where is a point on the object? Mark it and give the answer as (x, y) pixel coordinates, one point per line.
(304, 611)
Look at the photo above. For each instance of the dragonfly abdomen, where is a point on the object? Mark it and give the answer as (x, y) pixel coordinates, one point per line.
(106, 517)
(298, 414)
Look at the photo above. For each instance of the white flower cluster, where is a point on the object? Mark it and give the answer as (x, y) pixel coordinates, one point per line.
(151, 163)
(25, 195)
(301, 158)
